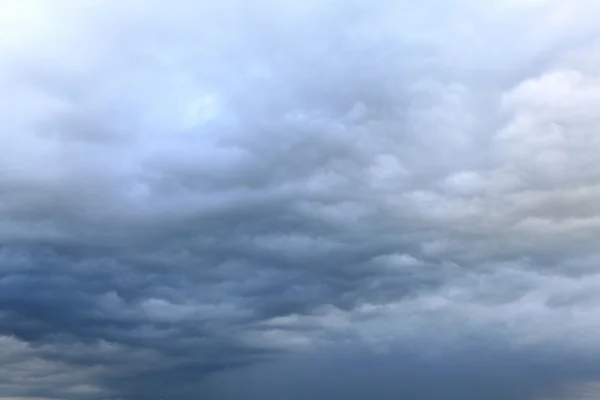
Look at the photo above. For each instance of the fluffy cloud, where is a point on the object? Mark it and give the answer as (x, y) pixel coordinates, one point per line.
(299, 199)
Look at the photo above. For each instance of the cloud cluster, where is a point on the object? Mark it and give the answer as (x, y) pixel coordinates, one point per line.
(285, 199)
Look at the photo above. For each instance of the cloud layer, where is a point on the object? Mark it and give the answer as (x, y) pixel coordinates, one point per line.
(284, 199)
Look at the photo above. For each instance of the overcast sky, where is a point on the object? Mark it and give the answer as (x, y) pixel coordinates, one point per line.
(299, 199)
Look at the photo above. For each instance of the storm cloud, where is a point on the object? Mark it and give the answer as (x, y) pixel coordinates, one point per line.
(299, 199)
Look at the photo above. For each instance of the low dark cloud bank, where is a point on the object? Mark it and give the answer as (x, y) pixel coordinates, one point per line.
(299, 199)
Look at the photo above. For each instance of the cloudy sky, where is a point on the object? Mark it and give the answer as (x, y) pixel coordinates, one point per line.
(299, 199)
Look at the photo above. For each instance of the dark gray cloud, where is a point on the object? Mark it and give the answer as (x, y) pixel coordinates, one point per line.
(285, 199)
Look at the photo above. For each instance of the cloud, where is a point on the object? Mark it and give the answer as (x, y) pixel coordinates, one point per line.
(298, 199)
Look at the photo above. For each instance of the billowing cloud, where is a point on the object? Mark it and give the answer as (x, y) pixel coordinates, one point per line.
(285, 199)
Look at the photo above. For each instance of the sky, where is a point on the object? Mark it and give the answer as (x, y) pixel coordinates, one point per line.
(285, 199)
